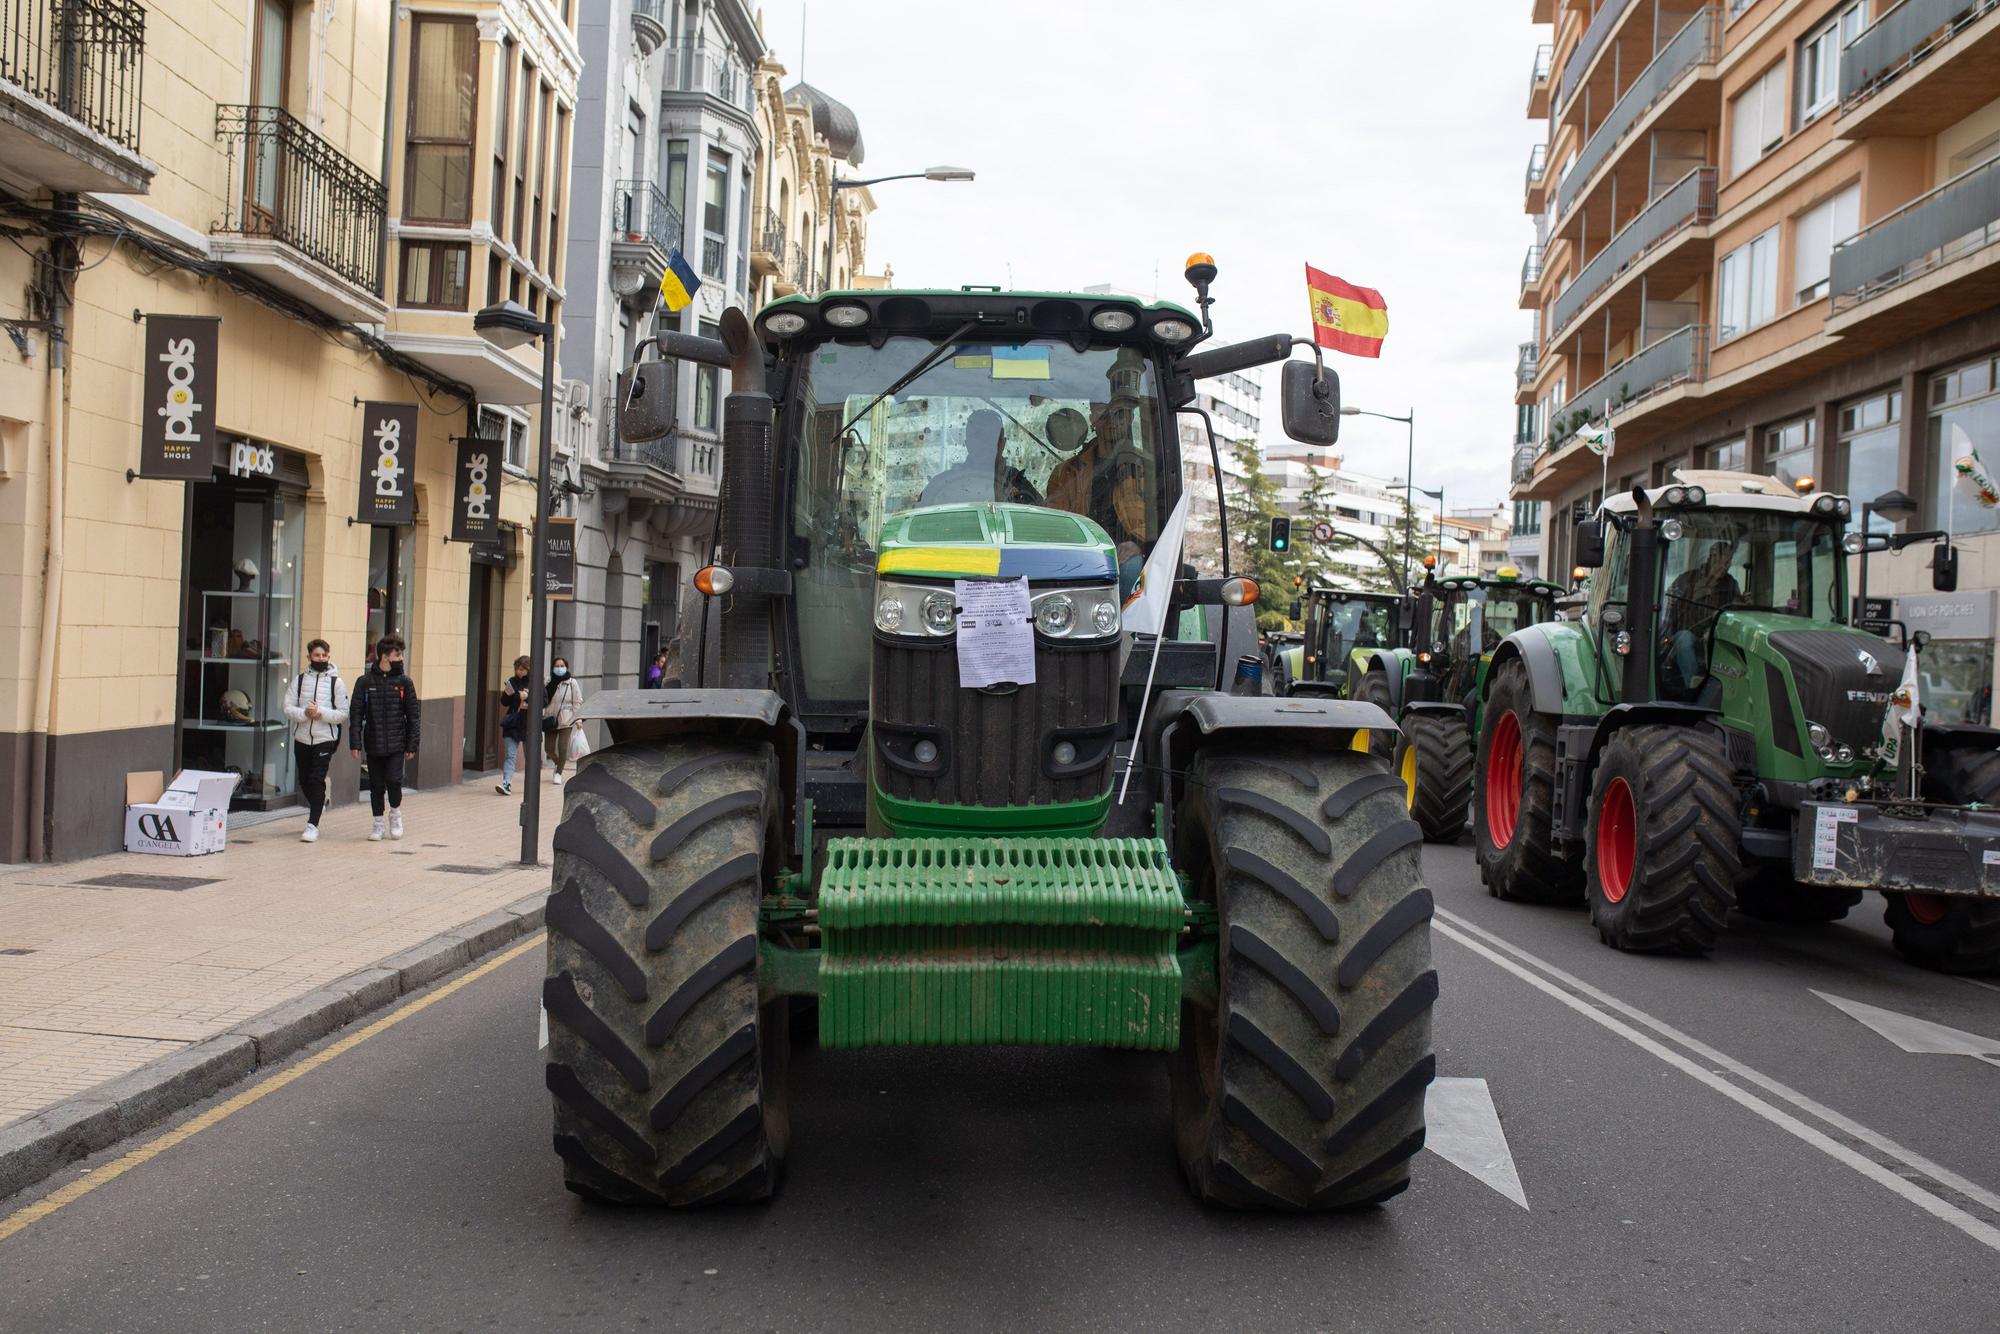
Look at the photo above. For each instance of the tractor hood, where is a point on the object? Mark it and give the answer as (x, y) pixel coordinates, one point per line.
(1841, 677)
(995, 541)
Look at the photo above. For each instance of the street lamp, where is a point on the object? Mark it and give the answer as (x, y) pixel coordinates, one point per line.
(833, 197)
(1409, 470)
(1893, 506)
(508, 325)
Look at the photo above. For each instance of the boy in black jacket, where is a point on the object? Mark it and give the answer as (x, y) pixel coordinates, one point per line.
(384, 712)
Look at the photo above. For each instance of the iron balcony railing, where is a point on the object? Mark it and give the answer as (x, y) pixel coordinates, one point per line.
(1694, 45)
(290, 185)
(1687, 203)
(1524, 465)
(1538, 165)
(1957, 218)
(1528, 365)
(663, 453)
(1601, 25)
(650, 9)
(81, 57)
(1531, 267)
(771, 237)
(696, 69)
(801, 270)
(713, 257)
(1540, 74)
(1680, 357)
(1881, 52)
(640, 213)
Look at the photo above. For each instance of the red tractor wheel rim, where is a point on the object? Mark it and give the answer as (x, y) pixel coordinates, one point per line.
(1503, 781)
(1927, 909)
(1617, 841)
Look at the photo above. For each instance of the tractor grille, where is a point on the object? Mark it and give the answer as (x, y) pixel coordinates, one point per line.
(1835, 687)
(993, 748)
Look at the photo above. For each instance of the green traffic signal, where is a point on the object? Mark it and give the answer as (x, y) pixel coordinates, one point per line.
(1281, 533)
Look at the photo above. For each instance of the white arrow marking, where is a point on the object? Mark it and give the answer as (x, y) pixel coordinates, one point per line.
(543, 1040)
(1918, 1035)
(1463, 1128)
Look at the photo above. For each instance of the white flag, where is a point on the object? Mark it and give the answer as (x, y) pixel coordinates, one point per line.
(1597, 436)
(1903, 711)
(1972, 480)
(1146, 608)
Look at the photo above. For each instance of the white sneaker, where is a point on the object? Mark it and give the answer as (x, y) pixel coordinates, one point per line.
(375, 834)
(310, 834)
(395, 824)
(556, 778)
(504, 789)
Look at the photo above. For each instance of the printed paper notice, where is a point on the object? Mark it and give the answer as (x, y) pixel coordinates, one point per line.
(1827, 821)
(996, 633)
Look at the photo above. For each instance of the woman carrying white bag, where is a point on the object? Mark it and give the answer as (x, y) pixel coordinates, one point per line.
(562, 701)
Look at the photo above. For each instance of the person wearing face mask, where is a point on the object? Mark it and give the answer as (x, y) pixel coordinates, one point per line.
(317, 706)
(386, 714)
(562, 701)
(514, 697)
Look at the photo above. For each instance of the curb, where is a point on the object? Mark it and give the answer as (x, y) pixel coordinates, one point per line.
(99, 1117)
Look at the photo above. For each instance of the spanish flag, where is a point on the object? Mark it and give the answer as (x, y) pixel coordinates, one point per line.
(678, 284)
(1346, 318)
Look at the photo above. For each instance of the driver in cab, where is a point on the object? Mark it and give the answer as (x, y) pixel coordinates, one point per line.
(1694, 601)
(984, 473)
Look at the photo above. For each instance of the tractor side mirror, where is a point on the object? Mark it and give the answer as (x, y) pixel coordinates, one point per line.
(1310, 403)
(1406, 616)
(1944, 568)
(1590, 544)
(1296, 610)
(645, 403)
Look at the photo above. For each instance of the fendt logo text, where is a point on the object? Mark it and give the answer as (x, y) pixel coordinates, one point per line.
(180, 408)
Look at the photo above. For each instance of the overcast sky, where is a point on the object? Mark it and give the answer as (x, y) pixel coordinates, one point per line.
(1381, 142)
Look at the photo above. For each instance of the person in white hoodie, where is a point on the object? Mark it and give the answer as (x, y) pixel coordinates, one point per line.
(317, 706)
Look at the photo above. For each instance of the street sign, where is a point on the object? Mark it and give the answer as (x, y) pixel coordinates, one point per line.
(561, 586)
(388, 465)
(475, 508)
(1322, 531)
(177, 428)
(1873, 613)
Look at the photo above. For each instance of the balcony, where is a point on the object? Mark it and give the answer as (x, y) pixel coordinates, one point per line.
(714, 258)
(767, 245)
(1688, 203)
(1537, 176)
(645, 228)
(299, 214)
(1679, 358)
(801, 271)
(1538, 83)
(1693, 46)
(649, 25)
(1524, 464)
(634, 476)
(69, 96)
(1602, 24)
(1528, 364)
(1923, 66)
(1531, 278)
(717, 74)
(1931, 261)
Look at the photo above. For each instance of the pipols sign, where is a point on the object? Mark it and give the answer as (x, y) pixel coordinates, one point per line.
(388, 464)
(475, 492)
(561, 583)
(177, 422)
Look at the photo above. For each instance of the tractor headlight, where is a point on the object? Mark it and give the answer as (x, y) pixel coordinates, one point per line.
(1852, 543)
(1104, 618)
(1672, 531)
(1675, 495)
(889, 613)
(1697, 496)
(940, 612)
(1844, 506)
(785, 323)
(1055, 615)
(1078, 613)
(915, 609)
(1172, 330)
(1822, 740)
(1825, 506)
(1845, 755)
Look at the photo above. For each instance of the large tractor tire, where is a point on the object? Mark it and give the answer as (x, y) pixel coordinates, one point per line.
(1771, 895)
(1664, 844)
(1381, 740)
(1949, 934)
(1514, 799)
(1304, 1087)
(1435, 764)
(668, 1078)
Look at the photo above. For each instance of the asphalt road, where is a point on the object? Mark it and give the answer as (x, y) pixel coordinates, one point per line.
(1703, 1144)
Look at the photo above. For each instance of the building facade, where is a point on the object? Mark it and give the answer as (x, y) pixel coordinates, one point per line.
(330, 191)
(1767, 241)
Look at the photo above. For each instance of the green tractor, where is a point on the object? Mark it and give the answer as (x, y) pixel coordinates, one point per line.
(1461, 620)
(935, 793)
(1713, 736)
(1340, 624)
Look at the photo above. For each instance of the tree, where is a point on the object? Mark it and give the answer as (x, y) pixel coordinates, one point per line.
(1253, 503)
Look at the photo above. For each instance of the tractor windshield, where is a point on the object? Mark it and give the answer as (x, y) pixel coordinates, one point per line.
(1343, 625)
(1483, 616)
(1039, 423)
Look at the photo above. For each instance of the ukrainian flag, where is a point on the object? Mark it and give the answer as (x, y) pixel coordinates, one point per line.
(678, 284)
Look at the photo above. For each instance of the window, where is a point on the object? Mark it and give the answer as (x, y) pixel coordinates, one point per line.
(541, 174)
(677, 177)
(1747, 287)
(556, 189)
(1724, 456)
(1818, 230)
(1757, 120)
(1819, 61)
(435, 274)
(444, 89)
(1964, 410)
(1788, 451)
(496, 425)
(714, 214)
(503, 107)
(707, 385)
(525, 124)
(1865, 452)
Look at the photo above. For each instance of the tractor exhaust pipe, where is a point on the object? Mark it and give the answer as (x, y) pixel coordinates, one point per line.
(1642, 609)
(746, 507)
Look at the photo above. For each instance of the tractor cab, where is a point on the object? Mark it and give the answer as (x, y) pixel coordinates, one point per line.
(1466, 617)
(1338, 624)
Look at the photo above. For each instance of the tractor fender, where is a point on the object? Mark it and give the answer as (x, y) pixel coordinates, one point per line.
(1435, 707)
(1392, 663)
(1183, 721)
(1620, 716)
(1538, 654)
(647, 715)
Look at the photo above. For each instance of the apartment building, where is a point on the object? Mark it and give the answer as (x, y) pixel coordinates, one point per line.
(1765, 239)
(250, 240)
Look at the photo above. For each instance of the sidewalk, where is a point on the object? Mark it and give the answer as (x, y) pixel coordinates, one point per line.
(101, 975)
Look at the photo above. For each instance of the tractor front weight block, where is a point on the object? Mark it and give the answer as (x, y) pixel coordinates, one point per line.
(1940, 850)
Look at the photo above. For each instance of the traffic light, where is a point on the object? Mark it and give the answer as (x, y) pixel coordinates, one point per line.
(1281, 533)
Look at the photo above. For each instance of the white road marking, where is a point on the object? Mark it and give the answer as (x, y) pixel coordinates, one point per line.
(1917, 1035)
(542, 1040)
(1462, 1127)
(1977, 983)
(1579, 996)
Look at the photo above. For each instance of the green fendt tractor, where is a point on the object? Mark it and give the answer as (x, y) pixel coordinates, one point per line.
(1340, 625)
(898, 806)
(1461, 620)
(1714, 736)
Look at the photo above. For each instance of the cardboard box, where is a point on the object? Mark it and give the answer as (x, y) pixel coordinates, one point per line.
(190, 819)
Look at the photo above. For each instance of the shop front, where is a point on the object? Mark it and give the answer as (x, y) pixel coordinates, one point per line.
(1955, 682)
